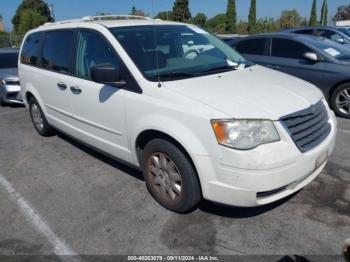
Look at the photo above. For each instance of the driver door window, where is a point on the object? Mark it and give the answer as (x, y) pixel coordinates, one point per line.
(92, 50)
(334, 36)
(285, 48)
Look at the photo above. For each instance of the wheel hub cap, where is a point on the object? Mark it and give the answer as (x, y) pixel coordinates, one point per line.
(165, 177)
(37, 117)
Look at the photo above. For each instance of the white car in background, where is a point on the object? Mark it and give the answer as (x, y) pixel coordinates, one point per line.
(9, 81)
(207, 125)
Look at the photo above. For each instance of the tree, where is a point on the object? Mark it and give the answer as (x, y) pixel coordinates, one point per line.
(242, 28)
(252, 18)
(165, 15)
(137, 12)
(267, 25)
(133, 10)
(343, 13)
(231, 17)
(313, 16)
(30, 19)
(217, 24)
(200, 19)
(181, 11)
(290, 18)
(35, 5)
(324, 13)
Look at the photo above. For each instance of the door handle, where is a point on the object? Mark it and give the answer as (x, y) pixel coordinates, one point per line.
(62, 86)
(75, 90)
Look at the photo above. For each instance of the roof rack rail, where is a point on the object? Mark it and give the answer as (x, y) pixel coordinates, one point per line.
(99, 17)
(116, 17)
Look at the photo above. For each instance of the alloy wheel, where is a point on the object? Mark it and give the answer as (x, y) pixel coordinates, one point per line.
(343, 101)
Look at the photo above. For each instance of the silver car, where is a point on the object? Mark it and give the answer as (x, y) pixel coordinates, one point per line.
(9, 80)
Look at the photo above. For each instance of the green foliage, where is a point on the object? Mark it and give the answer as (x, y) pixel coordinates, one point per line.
(217, 24)
(137, 12)
(30, 19)
(252, 18)
(324, 13)
(313, 16)
(290, 18)
(165, 15)
(343, 13)
(267, 25)
(181, 11)
(242, 28)
(200, 19)
(39, 6)
(231, 17)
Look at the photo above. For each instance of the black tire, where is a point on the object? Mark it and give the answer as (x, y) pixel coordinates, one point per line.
(334, 97)
(44, 129)
(2, 103)
(190, 195)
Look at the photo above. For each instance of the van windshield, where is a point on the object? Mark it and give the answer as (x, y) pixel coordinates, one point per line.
(174, 52)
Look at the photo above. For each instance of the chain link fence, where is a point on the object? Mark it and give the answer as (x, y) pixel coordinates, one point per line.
(10, 40)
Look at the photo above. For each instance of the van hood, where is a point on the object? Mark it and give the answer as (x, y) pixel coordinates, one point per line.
(255, 92)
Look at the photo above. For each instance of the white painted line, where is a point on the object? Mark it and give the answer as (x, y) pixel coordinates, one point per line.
(60, 248)
(344, 131)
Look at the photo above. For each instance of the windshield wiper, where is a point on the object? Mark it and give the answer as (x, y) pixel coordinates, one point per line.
(220, 69)
(174, 75)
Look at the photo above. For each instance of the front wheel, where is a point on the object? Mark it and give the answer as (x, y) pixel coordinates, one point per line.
(340, 100)
(38, 118)
(170, 176)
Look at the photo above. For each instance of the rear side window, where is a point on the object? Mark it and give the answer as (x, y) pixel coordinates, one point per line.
(8, 60)
(30, 53)
(252, 47)
(285, 48)
(57, 50)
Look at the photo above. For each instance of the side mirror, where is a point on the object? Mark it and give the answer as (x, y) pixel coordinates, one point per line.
(107, 74)
(310, 56)
(341, 41)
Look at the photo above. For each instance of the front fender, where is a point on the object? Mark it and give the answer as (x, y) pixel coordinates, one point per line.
(171, 127)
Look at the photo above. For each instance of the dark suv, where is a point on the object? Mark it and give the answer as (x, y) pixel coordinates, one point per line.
(317, 60)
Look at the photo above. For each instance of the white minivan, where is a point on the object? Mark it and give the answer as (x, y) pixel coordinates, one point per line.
(173, 100)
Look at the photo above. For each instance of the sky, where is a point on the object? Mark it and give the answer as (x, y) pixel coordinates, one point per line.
(70, 9)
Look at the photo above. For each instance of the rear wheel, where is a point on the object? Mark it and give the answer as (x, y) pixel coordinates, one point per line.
(340, 100)
(170, 176)
(1, 102)
(38, 118)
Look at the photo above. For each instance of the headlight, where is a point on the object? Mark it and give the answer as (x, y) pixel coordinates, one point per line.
(244, 134)
(2, 82)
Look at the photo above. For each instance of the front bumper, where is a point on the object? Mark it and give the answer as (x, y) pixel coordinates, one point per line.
(11, 94)
(265, 175)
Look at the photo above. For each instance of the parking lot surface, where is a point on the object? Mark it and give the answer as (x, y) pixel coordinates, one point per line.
(57, 196)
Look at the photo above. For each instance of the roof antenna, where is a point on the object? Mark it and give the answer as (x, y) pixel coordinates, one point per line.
(156, 52)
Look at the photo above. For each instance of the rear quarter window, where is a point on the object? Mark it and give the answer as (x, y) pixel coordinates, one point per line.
(252, 46)
(30, 53)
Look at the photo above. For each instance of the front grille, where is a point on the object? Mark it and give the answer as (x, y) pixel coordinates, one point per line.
(12, 83)
(12, 95)
(308, 128)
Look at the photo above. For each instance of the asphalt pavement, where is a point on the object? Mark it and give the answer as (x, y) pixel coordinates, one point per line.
(58, 196)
